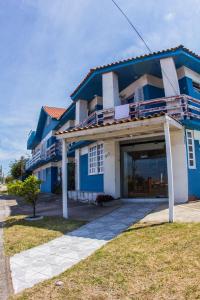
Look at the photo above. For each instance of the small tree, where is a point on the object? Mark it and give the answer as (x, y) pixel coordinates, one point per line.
(29, 189)
(17, 168)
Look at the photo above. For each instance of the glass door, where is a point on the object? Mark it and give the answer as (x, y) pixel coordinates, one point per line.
(144, 170)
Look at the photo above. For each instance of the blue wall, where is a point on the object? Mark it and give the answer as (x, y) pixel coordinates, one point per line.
(89, 183)
(151, 92)
(49, 127)
(48, 185)
(194, 174)
(186, 87)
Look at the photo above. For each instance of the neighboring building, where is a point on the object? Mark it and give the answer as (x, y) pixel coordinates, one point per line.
(46, 150)
(137, 128)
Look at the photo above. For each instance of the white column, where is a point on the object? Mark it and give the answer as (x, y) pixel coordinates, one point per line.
(169, 76)
(180, 171)
(169, 171)
(112, 168)
(110, 90)
(64, 178)
(77, 168)
(81, 111)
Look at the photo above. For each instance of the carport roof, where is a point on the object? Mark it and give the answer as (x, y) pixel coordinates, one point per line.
(153, 123)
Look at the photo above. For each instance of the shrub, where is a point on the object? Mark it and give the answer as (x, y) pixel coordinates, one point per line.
(29, 189)
(15, 188)
(103, 198)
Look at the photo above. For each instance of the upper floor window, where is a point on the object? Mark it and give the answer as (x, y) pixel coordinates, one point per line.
(196, 86)
(95, 159)
(190, 149)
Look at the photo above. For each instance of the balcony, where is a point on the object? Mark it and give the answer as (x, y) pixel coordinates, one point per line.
(41, 157)
(180, 107)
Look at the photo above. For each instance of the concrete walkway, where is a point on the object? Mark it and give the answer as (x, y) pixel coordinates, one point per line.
(50, 259)
(185, 212)
(5, 280)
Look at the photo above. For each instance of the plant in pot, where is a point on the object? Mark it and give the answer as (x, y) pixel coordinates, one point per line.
(29, 190)
(104, 200)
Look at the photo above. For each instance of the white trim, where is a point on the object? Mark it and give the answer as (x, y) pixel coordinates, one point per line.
(84, 150)
(191, 151)
(96, 172)
(140, 83)
(186, 72)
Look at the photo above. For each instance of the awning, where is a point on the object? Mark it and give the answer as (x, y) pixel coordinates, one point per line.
(120, 129)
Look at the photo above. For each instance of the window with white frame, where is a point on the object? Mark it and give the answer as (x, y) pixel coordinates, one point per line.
(191, 149)
(100, 154)
(95, 159)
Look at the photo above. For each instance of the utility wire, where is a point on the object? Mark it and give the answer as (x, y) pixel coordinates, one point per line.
(143, 40)
(134, 28)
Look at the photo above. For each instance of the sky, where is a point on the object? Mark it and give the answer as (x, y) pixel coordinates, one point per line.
(47, 47)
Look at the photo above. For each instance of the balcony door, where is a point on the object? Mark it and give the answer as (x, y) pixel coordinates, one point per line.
(144, 170)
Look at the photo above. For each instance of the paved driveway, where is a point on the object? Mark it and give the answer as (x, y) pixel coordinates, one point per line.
(50, 259)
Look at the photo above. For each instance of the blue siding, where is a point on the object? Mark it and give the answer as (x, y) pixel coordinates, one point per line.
(90, 183)
(151, 92)
(49, 127)
(194, 174)
(48, 185)
(186, 87)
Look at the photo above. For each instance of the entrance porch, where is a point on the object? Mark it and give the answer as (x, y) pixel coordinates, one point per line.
(142, 158)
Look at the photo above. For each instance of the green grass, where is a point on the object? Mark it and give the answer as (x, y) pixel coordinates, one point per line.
(146, 262)
(20, 234)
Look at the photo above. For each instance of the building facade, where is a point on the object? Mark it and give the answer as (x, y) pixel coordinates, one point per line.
(136, 130)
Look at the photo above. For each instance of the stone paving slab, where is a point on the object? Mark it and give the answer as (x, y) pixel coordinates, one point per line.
(52, 258)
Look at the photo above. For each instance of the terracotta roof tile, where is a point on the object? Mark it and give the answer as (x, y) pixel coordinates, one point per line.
(112, 123)
(54, 112)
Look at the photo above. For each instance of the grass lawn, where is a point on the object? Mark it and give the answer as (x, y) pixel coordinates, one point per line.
(20, 234)
(145, 262)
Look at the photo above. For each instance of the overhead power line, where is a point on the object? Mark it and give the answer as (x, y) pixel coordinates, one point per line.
(134, 28)
(143, 40)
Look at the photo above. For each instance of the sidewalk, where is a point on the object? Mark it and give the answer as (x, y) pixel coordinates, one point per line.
(50, 259)
(5, 280)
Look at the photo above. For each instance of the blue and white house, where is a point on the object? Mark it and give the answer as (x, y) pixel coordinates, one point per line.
(46, 150)
(136, 131)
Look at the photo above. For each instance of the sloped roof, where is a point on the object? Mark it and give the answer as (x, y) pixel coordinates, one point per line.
(98, 68)
(54, 112)
(114, 122)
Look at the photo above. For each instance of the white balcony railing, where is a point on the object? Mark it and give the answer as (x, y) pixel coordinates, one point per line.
(180, 107)
(45, 155)
(34, 160)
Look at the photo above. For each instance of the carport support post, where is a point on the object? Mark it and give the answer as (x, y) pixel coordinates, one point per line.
(169, 171)
(64, 178)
